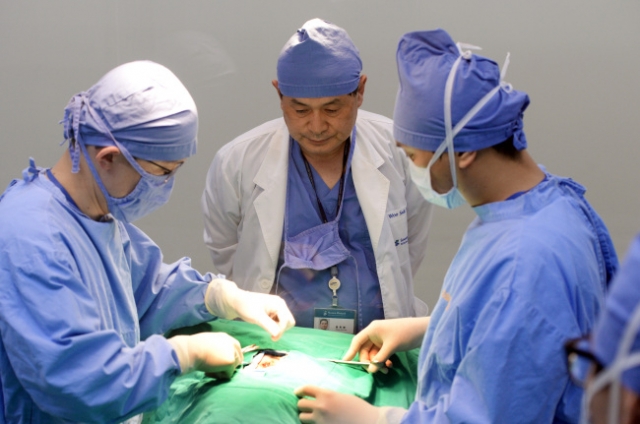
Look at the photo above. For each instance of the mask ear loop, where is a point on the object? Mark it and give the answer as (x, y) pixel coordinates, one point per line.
(72, 131)
(451, 133)
(611, 375)
(447, 144)
(485, 99)
(623, 353)
(122, 149)
(71, 123)
(448, 127)
(79, 101)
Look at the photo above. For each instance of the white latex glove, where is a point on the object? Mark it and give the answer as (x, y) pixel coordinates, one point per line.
(327, 406)
(224, 299)
(381, 339)
(217, 353)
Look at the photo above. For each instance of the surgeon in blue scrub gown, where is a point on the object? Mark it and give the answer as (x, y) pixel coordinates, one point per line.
(530, 273)
(84, 294)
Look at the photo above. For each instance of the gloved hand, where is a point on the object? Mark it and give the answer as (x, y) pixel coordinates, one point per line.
(332, 407)
(217, 353)
(225, 300)
(381, 339)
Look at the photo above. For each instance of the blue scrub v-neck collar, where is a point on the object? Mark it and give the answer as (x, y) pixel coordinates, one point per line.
(516, 204)
(326, 194)
(64, 191)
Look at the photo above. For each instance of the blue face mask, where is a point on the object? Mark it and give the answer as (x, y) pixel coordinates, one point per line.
(151, 192)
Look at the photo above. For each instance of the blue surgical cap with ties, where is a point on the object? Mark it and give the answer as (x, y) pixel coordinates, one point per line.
(143, 106)
(428, 61)
(319, 60)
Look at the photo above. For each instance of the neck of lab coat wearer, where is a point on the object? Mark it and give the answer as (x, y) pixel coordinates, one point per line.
(328, 166)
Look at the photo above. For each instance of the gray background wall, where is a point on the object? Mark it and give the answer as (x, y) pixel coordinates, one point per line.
(577, 59)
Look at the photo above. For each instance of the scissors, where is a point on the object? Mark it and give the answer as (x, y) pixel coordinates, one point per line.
(250, 348)
(380, 364)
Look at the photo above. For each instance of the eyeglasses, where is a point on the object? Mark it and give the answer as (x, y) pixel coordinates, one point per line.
(166, 172)
(580, 360)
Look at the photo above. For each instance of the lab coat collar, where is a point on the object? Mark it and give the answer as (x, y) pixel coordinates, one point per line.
(270, 204)
(372, 188)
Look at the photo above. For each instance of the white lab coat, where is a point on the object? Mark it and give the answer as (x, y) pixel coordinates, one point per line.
(244, 206)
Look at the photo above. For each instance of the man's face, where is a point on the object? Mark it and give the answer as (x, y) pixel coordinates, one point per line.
(321, 125)
(119, 177)
(441, 179)
(125, 180)
(324, 324)
(158, 167)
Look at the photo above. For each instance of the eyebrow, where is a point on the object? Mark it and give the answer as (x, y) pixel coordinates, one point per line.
(333, 102)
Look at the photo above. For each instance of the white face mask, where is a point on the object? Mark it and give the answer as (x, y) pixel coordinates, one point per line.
(422, 179)
(422, 176)
(612, 374)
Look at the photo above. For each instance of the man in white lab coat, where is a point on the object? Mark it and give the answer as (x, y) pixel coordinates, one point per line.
(318, 206)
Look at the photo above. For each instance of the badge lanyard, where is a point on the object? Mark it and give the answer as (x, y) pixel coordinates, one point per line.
(334, 282)
(341, 190)
(334, 318)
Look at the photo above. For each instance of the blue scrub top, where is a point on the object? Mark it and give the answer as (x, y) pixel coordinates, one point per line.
(360, 287)
(530, 274)
(81, 305)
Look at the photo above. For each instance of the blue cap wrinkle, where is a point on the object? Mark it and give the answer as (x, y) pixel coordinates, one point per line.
(424, 61)
(143, 105)
(319, 60)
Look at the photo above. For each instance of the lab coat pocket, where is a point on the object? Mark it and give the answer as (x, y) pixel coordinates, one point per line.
(399, 230)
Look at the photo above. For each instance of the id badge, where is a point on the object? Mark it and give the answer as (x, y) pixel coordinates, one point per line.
(335, 319)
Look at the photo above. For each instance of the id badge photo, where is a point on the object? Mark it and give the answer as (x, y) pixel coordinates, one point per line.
(335, 318)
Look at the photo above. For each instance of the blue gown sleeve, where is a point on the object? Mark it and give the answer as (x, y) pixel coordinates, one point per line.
(513, 368)
(60, 353)
(168, 296)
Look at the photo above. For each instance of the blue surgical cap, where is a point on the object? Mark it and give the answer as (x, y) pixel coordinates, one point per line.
(621, 303)
(319, 60)
(424, 60)
(141, 104)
